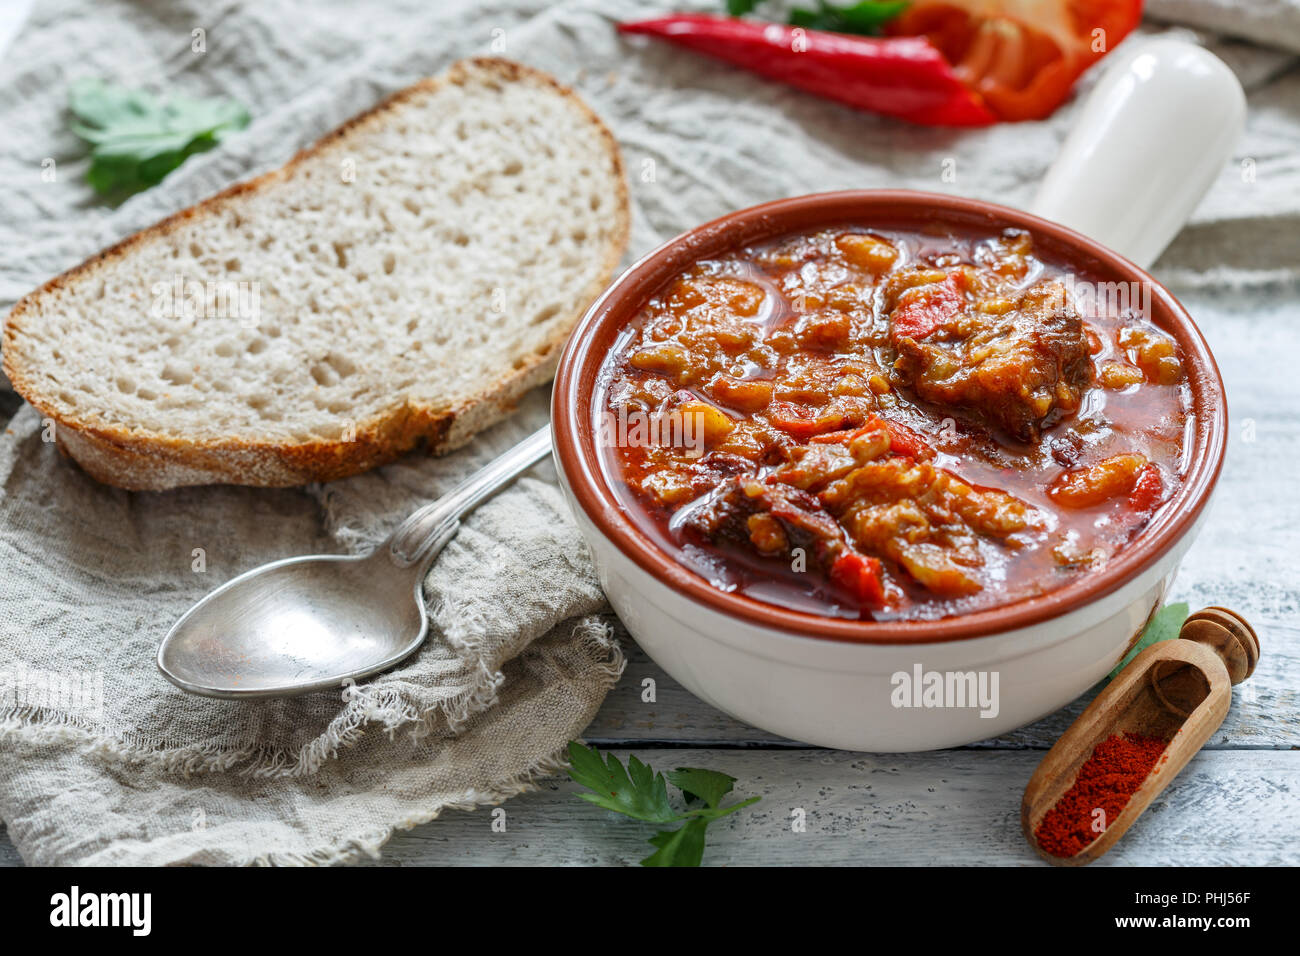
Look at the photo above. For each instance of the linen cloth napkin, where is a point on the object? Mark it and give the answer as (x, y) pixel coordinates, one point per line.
(103, 762)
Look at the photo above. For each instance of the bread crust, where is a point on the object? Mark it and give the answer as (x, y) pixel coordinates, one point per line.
(148, 461)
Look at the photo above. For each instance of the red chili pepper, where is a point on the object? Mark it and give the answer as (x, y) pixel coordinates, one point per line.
(944, 63)
(906, 77)
(860, 576)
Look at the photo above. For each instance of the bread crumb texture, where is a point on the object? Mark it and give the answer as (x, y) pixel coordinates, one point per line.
(399, 283)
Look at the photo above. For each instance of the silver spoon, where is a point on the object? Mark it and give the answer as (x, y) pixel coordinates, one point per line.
(310, 623)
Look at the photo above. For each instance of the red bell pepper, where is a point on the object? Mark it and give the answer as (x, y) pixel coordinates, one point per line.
(1147, 490)
(1021, 57)
(927, 307)
(903, 441)
(790, 419)
(945, 62)
(907, 443)
(860, 576)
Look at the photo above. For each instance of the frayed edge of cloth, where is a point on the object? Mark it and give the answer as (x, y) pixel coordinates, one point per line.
(37, 726)
(370, 844)
(593, 634)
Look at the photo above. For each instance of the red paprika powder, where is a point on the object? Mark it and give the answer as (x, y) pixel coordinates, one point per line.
(1107, 781)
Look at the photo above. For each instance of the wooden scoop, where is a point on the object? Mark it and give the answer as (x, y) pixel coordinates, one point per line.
(1176, 690)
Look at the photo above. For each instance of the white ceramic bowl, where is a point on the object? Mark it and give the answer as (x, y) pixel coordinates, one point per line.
(834, 682)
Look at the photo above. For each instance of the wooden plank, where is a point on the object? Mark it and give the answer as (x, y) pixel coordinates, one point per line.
(953, 807)
(1263, 711)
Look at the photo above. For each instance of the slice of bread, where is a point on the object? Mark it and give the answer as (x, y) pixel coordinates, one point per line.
(400, 283)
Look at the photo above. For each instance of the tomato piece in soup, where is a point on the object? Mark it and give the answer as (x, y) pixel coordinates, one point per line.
(926, 308)
(860, 576)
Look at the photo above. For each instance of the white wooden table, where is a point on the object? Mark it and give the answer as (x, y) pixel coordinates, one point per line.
(1238, 802)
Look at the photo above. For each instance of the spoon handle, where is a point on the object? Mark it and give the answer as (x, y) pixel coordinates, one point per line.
(424, 533)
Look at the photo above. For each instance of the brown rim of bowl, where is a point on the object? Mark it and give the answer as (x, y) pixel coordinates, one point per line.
(573, 420)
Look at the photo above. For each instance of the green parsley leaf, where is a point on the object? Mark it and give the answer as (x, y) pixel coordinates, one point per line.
(136, 138)
(640, 793)
(707, 785)
(1164, 626)
(710, 814)
(685, 846)
(738, 8)
(681, 847)
(865, 18)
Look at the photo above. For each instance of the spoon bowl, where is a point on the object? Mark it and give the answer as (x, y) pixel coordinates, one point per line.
(297, 625)
(311, 623)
